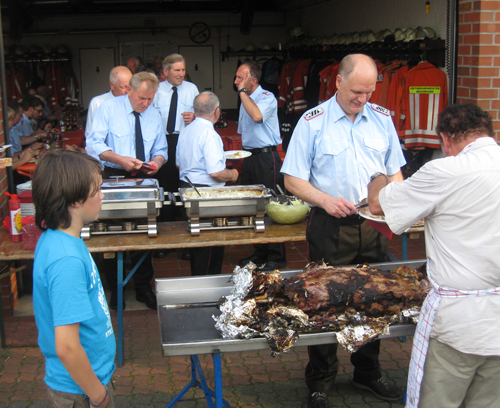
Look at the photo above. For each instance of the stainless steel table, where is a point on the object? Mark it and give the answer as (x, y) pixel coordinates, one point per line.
(191, 330)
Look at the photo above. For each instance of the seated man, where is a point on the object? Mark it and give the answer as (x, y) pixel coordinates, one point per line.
(200, 157)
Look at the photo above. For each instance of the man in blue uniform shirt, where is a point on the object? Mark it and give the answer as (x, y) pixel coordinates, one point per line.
(200, 157)
(119, 80)
(174, 101)
(334, 150)
(260, 135)
(113, 140)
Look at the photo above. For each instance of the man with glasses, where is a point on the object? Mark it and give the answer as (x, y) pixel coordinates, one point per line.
(200, 157)
(27, 128)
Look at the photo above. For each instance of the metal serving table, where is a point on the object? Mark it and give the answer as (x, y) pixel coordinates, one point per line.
(185, 309)
(171, 235)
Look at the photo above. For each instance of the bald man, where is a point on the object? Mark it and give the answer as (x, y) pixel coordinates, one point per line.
(335, 149)
(119, 79)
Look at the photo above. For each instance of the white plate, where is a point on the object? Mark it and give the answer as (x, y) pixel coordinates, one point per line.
(5, 147)
(365, 213)
(237, 154)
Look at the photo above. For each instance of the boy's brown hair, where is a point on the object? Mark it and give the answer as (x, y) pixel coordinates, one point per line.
(62, 178)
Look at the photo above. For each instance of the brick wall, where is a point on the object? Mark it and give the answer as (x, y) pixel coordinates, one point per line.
(3, 174)
(478, 71)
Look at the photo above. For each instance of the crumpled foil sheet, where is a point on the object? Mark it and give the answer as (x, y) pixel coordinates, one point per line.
(353, 337)
(412, 313)
(235, 311)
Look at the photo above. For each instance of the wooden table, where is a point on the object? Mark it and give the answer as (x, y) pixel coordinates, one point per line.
(171, 235)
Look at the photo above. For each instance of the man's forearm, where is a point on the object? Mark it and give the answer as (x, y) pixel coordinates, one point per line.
(305, 191)
(225, 175)
(111, 156)
(251, 107)
(374, 188)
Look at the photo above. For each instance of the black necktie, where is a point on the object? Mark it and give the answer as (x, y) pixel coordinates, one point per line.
(172, 112)
(139, 144)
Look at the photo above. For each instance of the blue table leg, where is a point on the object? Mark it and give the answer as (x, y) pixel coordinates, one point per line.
(196, 370)
(120, 308)
(217, 380)
(121, 284)
(404, 242)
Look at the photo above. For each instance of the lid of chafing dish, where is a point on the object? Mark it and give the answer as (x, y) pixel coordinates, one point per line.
(129, 182)
(131, 189)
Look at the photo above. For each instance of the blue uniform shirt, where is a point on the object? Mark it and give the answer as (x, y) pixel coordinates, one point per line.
(25, 126)
(200, 152)
(113, 129)
(67, 289)
(15, 141)
(186, 93)
(338, 156)
(256, 135)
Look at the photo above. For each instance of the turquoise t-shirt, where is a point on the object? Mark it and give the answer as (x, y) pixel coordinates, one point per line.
(67, 289)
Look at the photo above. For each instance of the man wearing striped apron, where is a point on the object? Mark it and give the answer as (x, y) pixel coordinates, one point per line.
(455, 359)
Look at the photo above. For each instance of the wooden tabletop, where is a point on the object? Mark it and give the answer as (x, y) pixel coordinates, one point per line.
(171, 235)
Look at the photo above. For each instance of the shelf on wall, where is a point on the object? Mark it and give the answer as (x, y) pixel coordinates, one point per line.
(253, 54)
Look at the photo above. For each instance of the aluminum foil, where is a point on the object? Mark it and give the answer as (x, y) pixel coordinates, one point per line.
(237, 313)
(353, 337)
(412, 313)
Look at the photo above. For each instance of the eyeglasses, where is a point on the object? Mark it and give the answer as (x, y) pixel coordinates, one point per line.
(39, 110)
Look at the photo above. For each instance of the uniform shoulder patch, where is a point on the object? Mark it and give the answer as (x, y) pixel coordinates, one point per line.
(266, 93)
(313, 113)
(381, 109)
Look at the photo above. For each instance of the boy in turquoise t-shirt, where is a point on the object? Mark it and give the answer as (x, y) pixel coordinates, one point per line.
(75, 331)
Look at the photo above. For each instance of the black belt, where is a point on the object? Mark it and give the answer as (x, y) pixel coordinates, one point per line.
(267, 149)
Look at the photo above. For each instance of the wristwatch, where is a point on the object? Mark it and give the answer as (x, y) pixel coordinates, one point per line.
(36, 137)
(377, 174)
(242, 90)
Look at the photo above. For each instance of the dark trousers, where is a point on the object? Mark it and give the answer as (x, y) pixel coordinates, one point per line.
(168, 177)
(142, 277)
(204, 260)
(264, 168)
(343, 241)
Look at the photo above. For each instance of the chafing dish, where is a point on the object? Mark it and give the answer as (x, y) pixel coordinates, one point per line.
(228, 207)
(129, 206)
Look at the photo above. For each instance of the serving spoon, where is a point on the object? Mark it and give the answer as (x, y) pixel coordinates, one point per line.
(192, 185)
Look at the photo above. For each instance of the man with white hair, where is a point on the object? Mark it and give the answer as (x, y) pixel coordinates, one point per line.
(127, 133)
(174, 101)
(119, 78)
(200, 157)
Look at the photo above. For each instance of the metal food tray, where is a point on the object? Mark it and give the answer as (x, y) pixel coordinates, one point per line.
(225, 207)
(188, 329)
(125, 199)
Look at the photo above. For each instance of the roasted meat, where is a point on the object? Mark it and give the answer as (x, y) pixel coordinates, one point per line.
(372, 291)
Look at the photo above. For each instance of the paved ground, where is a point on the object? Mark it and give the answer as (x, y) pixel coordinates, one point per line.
(147, 379)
